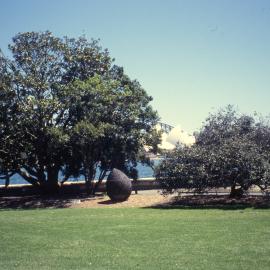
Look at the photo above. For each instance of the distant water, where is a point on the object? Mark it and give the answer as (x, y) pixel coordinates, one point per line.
(143, 172)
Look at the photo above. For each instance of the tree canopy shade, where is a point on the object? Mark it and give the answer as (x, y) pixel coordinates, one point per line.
(64, 106)
(231, 150)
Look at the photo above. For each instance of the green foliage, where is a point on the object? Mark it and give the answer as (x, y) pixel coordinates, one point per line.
(65, 107)
(231, 150)
(183, 168)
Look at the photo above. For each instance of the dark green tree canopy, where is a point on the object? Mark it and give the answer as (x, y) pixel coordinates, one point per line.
(64, 106)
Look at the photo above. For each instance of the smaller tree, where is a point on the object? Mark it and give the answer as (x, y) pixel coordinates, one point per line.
(184, 168)
(231, 150)
(240, 164)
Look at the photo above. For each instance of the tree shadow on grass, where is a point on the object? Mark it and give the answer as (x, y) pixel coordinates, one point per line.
(223, 202)
(39, 201)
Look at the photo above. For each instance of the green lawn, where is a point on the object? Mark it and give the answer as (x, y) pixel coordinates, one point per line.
(135, 239)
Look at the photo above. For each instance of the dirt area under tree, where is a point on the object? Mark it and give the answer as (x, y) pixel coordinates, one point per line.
(151, 198)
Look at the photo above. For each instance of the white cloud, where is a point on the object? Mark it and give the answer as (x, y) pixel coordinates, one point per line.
(165, 144)
(175, 136)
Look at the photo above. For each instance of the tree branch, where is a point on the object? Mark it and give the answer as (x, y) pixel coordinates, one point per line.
(9, 175)
(33, 181)
(30, 171)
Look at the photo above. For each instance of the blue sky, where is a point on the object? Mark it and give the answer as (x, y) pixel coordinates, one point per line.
(193, 57)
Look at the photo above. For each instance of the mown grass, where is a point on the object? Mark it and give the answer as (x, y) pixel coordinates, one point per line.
(133, 238)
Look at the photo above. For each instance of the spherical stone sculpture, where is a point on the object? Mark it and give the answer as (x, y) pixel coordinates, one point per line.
(118, 186)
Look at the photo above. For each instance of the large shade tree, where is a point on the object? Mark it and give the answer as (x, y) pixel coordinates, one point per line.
(64, 106)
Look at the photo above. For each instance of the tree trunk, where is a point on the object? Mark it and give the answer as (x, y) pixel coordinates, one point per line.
(7, 180)
(51, 186)
(33, 181)
(101, 177)
(89, 175)
(41, 176)
(65, 179)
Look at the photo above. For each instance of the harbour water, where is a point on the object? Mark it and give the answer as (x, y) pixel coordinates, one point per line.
(143, 172)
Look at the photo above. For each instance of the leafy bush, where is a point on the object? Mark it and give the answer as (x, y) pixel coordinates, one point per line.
(231, 151)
